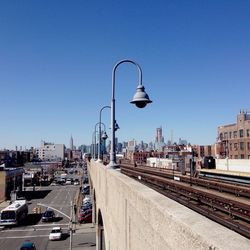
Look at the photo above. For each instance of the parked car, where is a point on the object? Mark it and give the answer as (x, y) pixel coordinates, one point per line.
(56, 233)
(86, 203)
(86, 189)
(28, 245)
(86, 186)
(86, 199)
(85, 180)
(48, 215)
(86, 211)
(85, 217)
(86, 206)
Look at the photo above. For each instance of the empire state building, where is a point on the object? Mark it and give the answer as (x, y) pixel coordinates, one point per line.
(71, 143)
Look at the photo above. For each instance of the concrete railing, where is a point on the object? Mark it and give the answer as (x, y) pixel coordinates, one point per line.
(240, 165)
(130, 215)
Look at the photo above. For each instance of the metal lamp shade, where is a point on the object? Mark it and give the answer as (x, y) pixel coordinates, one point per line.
(104, 135)
(116, 126)
(141, 98)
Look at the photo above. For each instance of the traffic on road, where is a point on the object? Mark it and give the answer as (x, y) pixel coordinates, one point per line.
(46, 218)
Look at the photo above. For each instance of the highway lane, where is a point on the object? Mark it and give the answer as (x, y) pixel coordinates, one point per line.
(34, 229)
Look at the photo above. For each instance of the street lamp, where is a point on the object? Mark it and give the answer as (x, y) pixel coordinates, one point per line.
(140, 99)
(94, 135)
(104, 138)
(100, 121)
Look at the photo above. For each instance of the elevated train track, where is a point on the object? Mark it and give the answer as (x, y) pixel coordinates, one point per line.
(224, 203)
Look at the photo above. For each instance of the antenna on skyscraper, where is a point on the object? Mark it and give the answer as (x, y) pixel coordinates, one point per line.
(172, 132)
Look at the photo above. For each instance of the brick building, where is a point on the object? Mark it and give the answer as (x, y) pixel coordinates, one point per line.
(234, 139)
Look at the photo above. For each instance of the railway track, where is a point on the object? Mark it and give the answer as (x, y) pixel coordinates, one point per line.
(218, 185)
(230, 212)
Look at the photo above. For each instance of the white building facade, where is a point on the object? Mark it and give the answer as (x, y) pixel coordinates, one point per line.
(50, 151)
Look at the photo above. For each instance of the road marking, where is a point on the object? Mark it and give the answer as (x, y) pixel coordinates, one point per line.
(23, 237)
(45, 225)
(30, 230)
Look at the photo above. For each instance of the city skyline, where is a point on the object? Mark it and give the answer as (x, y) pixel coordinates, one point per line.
(57, 59)
(71, 145)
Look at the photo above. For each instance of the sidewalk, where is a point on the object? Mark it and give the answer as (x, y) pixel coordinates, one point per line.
(4, 204)
(84, 237)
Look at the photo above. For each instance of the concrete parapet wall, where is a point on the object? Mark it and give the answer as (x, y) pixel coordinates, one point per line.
(241, 165)
(136, 217)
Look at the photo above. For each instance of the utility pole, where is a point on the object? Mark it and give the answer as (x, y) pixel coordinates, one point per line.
(190, 164)
(70, 225)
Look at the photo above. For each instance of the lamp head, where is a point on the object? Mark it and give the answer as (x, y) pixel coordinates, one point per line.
(104, 135)
(140, 98)
(116, 126)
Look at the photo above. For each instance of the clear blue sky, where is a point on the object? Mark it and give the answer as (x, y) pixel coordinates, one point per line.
(56, 61)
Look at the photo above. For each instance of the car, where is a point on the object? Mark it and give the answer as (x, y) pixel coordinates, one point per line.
(86, 189)
(85, 212)
(28, 245)
(76, 183)
(55, 234)
(85, 218)
(86, 180)
(48, 215)
(68, 182)
(86, 206)
(86, 199)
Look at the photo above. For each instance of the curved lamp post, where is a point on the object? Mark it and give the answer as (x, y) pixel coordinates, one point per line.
(104, 138)
(100, 136)
(94, 136)
(140, 99)
(94, 144)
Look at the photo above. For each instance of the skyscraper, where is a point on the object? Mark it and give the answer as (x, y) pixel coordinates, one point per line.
(71, 145)
(159, 138)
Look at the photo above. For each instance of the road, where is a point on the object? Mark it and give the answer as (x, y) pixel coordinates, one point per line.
(58, 197)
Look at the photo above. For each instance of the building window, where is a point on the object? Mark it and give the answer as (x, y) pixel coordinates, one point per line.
(248, 133)
(241, 145)
(248, 145)
(225, 135)
(221, 136)
(230, 135)
(241, 133)
(235, 134)
(235, 146)
(242, 156)
(230, 146)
